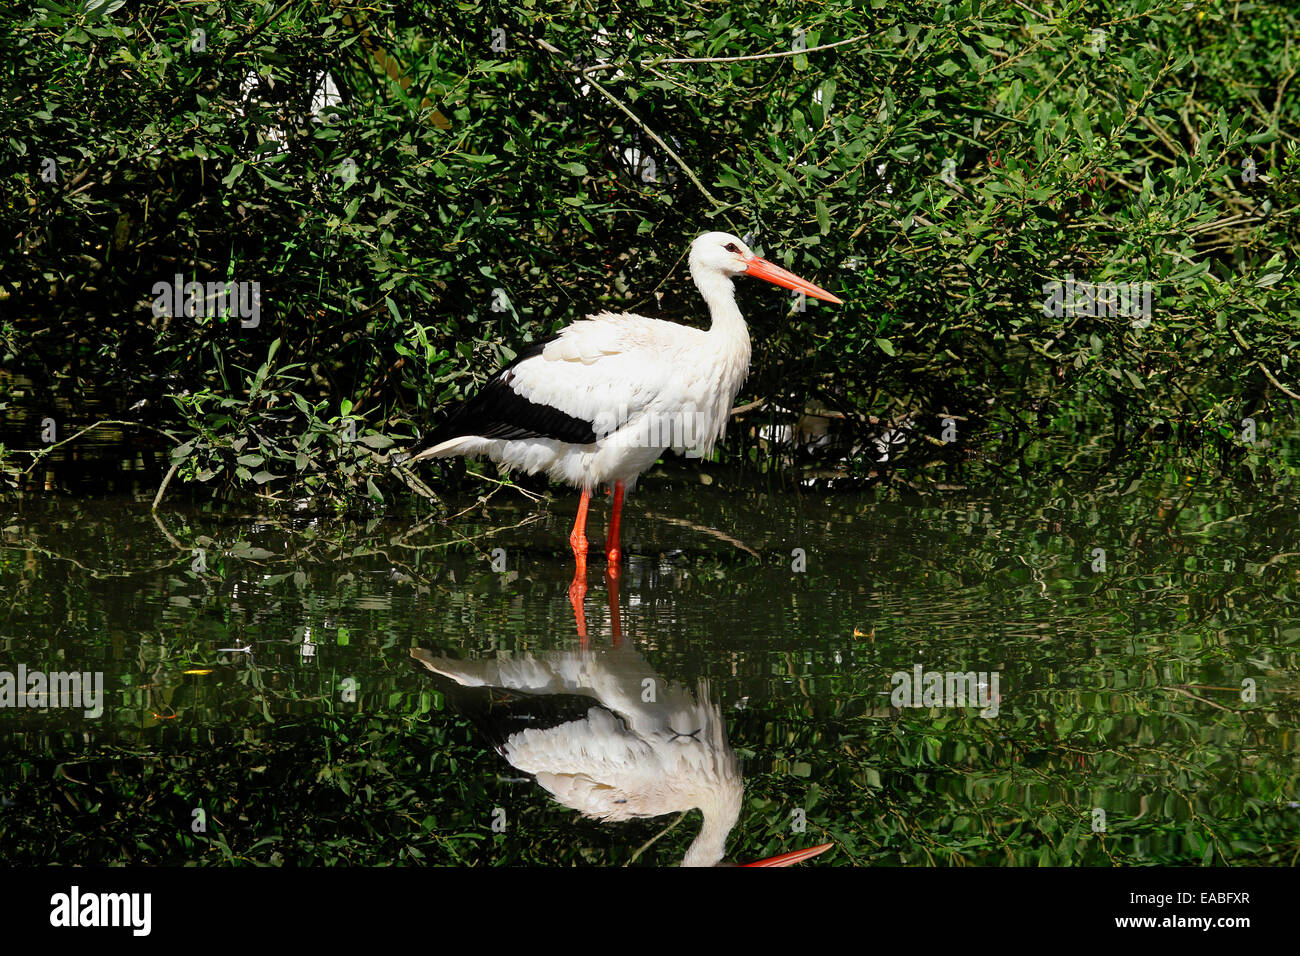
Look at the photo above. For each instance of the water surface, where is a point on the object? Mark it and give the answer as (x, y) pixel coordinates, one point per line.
(258, 669)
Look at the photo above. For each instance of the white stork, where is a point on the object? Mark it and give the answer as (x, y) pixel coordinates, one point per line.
(600, 402)
(627, 757)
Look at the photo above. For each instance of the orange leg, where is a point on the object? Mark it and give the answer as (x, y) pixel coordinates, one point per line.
(577, 592)
(578, 589)
(615, 622)
(612, 551)
(578, 536)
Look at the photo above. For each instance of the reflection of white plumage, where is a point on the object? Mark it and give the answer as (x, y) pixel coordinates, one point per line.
(600, 402)
(630, 757)
(645, 748)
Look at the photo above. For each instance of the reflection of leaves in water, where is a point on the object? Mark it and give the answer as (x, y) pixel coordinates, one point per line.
(1100, 675)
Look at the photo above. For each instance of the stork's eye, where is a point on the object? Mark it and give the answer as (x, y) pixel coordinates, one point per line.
(732, 247)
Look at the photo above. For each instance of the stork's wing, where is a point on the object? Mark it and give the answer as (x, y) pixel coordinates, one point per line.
(595, 373)
(637, 754)
(618, 678)
(528, 673)
(593, 798)
(597, 767)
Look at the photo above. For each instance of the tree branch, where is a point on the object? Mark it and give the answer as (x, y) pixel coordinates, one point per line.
(636, 119)
(753, 56)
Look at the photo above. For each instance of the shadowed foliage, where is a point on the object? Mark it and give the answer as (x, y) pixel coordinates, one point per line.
(423, 191)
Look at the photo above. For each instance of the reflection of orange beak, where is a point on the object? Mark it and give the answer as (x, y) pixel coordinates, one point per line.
(760, 268)
(798, 856)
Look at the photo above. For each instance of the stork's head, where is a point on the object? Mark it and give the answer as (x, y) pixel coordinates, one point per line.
(722, 254)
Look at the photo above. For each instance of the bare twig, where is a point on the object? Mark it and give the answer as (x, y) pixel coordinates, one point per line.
(704, 529)
(483, 499)
(652, 62)
(162, 488)
(506, 484)
(586, 75)
(650, 842)
(414, 483)
(754, 56)
(1187, 693)
(1264, 368)
(1269, 375)
(39, 453)
(746, 409)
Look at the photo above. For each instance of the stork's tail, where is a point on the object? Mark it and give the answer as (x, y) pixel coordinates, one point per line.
(431, 448)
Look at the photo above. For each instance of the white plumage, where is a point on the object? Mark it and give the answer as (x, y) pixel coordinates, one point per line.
(603, 400)
(645, 748)
(600, 371)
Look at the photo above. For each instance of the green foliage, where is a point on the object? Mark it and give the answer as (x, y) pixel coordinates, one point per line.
(238, 440)
(471, 193)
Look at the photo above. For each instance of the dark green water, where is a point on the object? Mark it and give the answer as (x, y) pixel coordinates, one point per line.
(1148, 711)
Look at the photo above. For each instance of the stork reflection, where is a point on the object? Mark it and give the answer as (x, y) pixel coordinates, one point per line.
(606, 735)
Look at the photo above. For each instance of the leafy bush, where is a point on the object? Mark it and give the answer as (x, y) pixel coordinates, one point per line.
(488, 172)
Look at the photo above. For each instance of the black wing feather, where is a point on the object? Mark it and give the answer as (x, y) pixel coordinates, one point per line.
(498, 411)
(499, 713)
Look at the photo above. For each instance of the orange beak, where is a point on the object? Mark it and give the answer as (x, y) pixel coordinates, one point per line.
(760, 268)
(798, 856)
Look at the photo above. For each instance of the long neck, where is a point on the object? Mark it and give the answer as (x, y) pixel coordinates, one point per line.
(720, 295)
(728, 327)
(728, 358)
(709, 847)
(721, 799)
